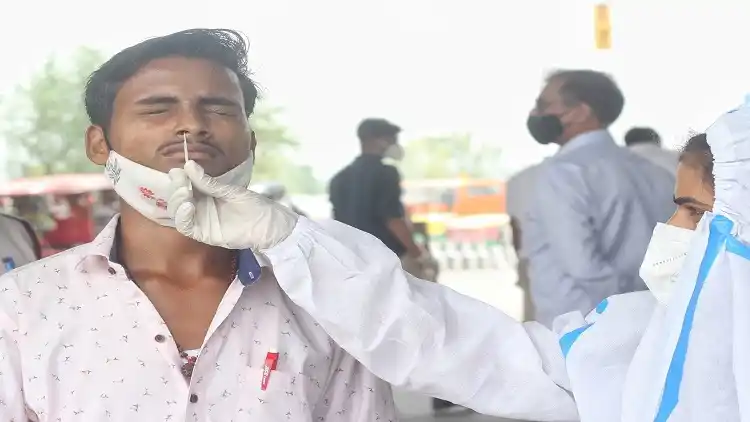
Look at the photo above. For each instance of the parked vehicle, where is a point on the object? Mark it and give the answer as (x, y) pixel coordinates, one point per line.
(63, 209)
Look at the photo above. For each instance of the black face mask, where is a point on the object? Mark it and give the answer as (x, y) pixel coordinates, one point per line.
(544, 128)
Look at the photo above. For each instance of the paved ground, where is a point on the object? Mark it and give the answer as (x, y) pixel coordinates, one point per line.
(496, 287)
(424, 413)
(470, 418)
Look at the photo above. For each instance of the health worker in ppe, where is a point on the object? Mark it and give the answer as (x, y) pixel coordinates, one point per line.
(693, 360)
(427, 338)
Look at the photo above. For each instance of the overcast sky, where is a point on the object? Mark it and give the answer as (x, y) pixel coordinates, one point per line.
(432, 66)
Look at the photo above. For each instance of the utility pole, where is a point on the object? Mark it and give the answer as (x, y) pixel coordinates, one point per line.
(602, 27)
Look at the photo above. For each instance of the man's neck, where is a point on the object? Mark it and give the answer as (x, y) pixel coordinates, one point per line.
(578, 131)
(147, 247)
(370, 151)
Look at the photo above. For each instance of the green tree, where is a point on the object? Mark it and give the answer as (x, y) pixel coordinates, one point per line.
(275, 144)
(449, 156)
(301, 179)
(275, 154)
(45, 119)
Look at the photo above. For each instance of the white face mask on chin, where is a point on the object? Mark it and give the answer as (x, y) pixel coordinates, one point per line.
(147, 190)
(665, 255)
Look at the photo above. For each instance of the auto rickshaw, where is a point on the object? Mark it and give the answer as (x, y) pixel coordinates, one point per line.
(65, 209)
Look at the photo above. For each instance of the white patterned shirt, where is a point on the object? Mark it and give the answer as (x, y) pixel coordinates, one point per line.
(81, 342)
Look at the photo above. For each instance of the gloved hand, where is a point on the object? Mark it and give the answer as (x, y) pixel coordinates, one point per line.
(232, 217)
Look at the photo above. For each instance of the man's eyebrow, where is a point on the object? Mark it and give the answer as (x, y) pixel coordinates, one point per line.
(157, 100)
(218, 100)
(689, 200)
(169, 99)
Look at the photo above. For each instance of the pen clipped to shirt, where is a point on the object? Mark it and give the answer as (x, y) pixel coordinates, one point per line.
(272, 359)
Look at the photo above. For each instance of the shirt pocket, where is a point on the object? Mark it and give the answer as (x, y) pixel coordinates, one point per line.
(284, 399)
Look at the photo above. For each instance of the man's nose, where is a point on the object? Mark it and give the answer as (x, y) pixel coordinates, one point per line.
(191, 121)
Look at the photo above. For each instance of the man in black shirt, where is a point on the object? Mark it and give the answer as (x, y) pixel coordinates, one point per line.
(367, 193)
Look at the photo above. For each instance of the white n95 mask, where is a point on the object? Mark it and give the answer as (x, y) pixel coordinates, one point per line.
(394, 152)
(665, 255)
(147, 190)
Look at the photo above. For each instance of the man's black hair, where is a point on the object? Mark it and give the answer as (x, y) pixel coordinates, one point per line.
(697, 152)
(371, 129)
(223, 46)
(595, 89)
(642, 135)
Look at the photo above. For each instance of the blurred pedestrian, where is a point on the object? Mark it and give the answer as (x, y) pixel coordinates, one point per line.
(595, 204)
(646, 142)
(366, 194)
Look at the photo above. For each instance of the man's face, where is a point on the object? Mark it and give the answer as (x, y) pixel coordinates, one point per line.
(168, 97)
(551, 102)
(386, 142)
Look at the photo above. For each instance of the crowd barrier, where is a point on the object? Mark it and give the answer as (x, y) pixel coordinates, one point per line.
(472, 255)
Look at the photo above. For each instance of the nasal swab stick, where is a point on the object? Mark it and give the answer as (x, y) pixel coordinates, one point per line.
(184, 147)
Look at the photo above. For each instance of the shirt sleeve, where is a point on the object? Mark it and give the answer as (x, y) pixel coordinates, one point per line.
(33, 239)
(419, 335)
(388, 204)
(12, 403)
(355, 394)
(562, 213)
(512, 194)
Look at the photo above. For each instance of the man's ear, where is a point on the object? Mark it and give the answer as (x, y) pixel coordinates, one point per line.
(253, 142)
(581, 113)
(96, 145)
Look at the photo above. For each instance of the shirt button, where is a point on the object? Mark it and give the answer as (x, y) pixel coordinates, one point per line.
(193, 398)
(112, 271)
(159, 338)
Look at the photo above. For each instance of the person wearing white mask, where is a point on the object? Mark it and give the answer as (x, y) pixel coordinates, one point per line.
(694, 196)
(366, 194)
(144, 323)
(427, 338)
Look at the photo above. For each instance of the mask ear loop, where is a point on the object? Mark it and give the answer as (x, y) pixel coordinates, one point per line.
(106, 139)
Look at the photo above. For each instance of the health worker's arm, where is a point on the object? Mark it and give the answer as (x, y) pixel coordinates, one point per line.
(419, 335)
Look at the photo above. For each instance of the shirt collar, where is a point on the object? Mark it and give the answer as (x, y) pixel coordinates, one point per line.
(583, 140)
(104, 248)
(645, 146)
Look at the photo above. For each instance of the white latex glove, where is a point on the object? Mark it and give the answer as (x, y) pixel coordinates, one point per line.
(232, 217)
